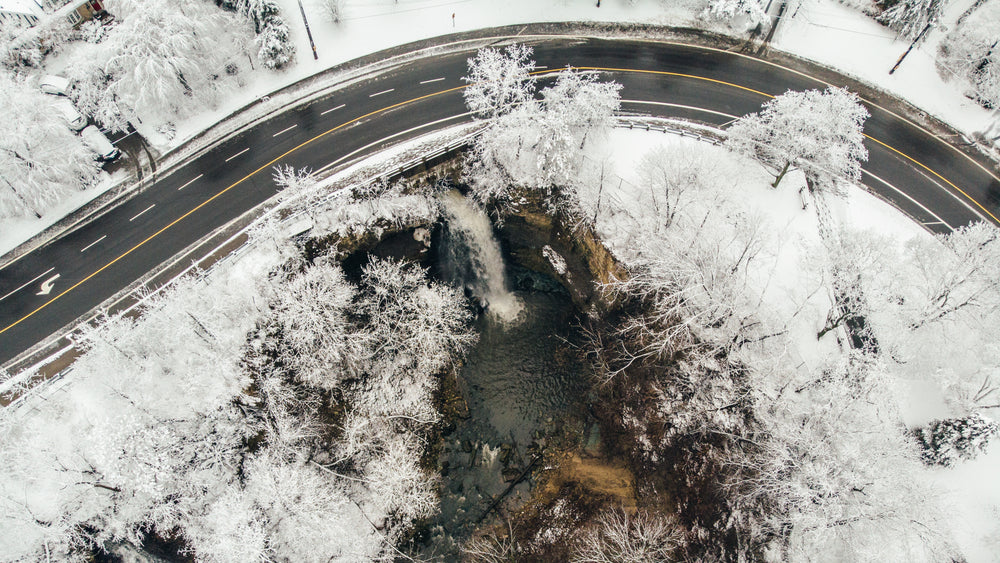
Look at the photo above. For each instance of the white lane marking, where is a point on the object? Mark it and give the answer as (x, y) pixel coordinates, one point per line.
(542, 67)
(286, 130)
(424, 126)
(46, 287)
(434, 80)
(190, 182)
(907, 196)
(380, 93)
(693, 108)
(33, 280)
(141, 212)
(238, 154)
(84, 249)
(934, 223)
(332, 109)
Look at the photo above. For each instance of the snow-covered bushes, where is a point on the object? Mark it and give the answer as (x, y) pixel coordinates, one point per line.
(728, 10)
(944, 442)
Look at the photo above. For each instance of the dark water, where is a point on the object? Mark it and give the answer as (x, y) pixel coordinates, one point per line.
(519, 382)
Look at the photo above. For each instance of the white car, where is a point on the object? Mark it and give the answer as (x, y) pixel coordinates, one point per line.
(74, 119)
(53, 84)
(96, 140)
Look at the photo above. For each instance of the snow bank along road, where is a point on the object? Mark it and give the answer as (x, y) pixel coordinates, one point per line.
(52, 286)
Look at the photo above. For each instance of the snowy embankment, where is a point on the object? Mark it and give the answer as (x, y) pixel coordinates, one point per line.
(787, 284)
(208, 419)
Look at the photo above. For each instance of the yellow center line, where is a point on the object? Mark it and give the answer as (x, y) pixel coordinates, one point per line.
(393, 106)
(665, 73)
(209, 200)
(942, 178)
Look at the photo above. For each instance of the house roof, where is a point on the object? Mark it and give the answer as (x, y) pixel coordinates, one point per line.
(21, 7)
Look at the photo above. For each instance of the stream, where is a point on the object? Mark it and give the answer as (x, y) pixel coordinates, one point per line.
(520, 382)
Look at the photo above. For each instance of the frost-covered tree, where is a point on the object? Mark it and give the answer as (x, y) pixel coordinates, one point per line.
(619, 537)
(575, 107)
(499, 80)
(727, 10)
(943, 442)
(832, 470)
(163, 59)
(910, 18)
(956, 272)
(275, 47)
(971, 52)
(312, 311)
(537, 144)
(817, 132)
(333, 9)
(41, 160)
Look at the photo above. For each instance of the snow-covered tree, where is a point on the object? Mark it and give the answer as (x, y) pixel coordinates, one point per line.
(971, 52)
(910, 18)
(499, 80)
(311, 308)
(41, 160)
(833, 470)
(727, 10)
(817, 132)
(575, 107)
(333, 9)
(537, 144)
(162, 58)
(956, 272)
(275, 47)
(943, 442)
(620, 537)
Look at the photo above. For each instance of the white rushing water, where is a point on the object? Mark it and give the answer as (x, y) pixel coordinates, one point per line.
(485, 273)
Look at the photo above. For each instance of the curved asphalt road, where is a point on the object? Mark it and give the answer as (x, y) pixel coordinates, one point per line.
(929, 180)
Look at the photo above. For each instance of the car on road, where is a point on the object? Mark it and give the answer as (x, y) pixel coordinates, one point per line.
(54, 84)
(96, 140)
(74, 119)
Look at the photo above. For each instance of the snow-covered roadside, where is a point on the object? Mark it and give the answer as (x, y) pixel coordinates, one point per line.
(842, 38)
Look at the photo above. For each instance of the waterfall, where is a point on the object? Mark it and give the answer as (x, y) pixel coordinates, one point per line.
(474, 261)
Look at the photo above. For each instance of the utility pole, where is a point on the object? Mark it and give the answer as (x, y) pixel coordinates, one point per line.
(912, 45)
(308, 33)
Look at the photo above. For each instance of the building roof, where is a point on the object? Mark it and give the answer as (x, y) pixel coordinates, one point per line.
(21, 7)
